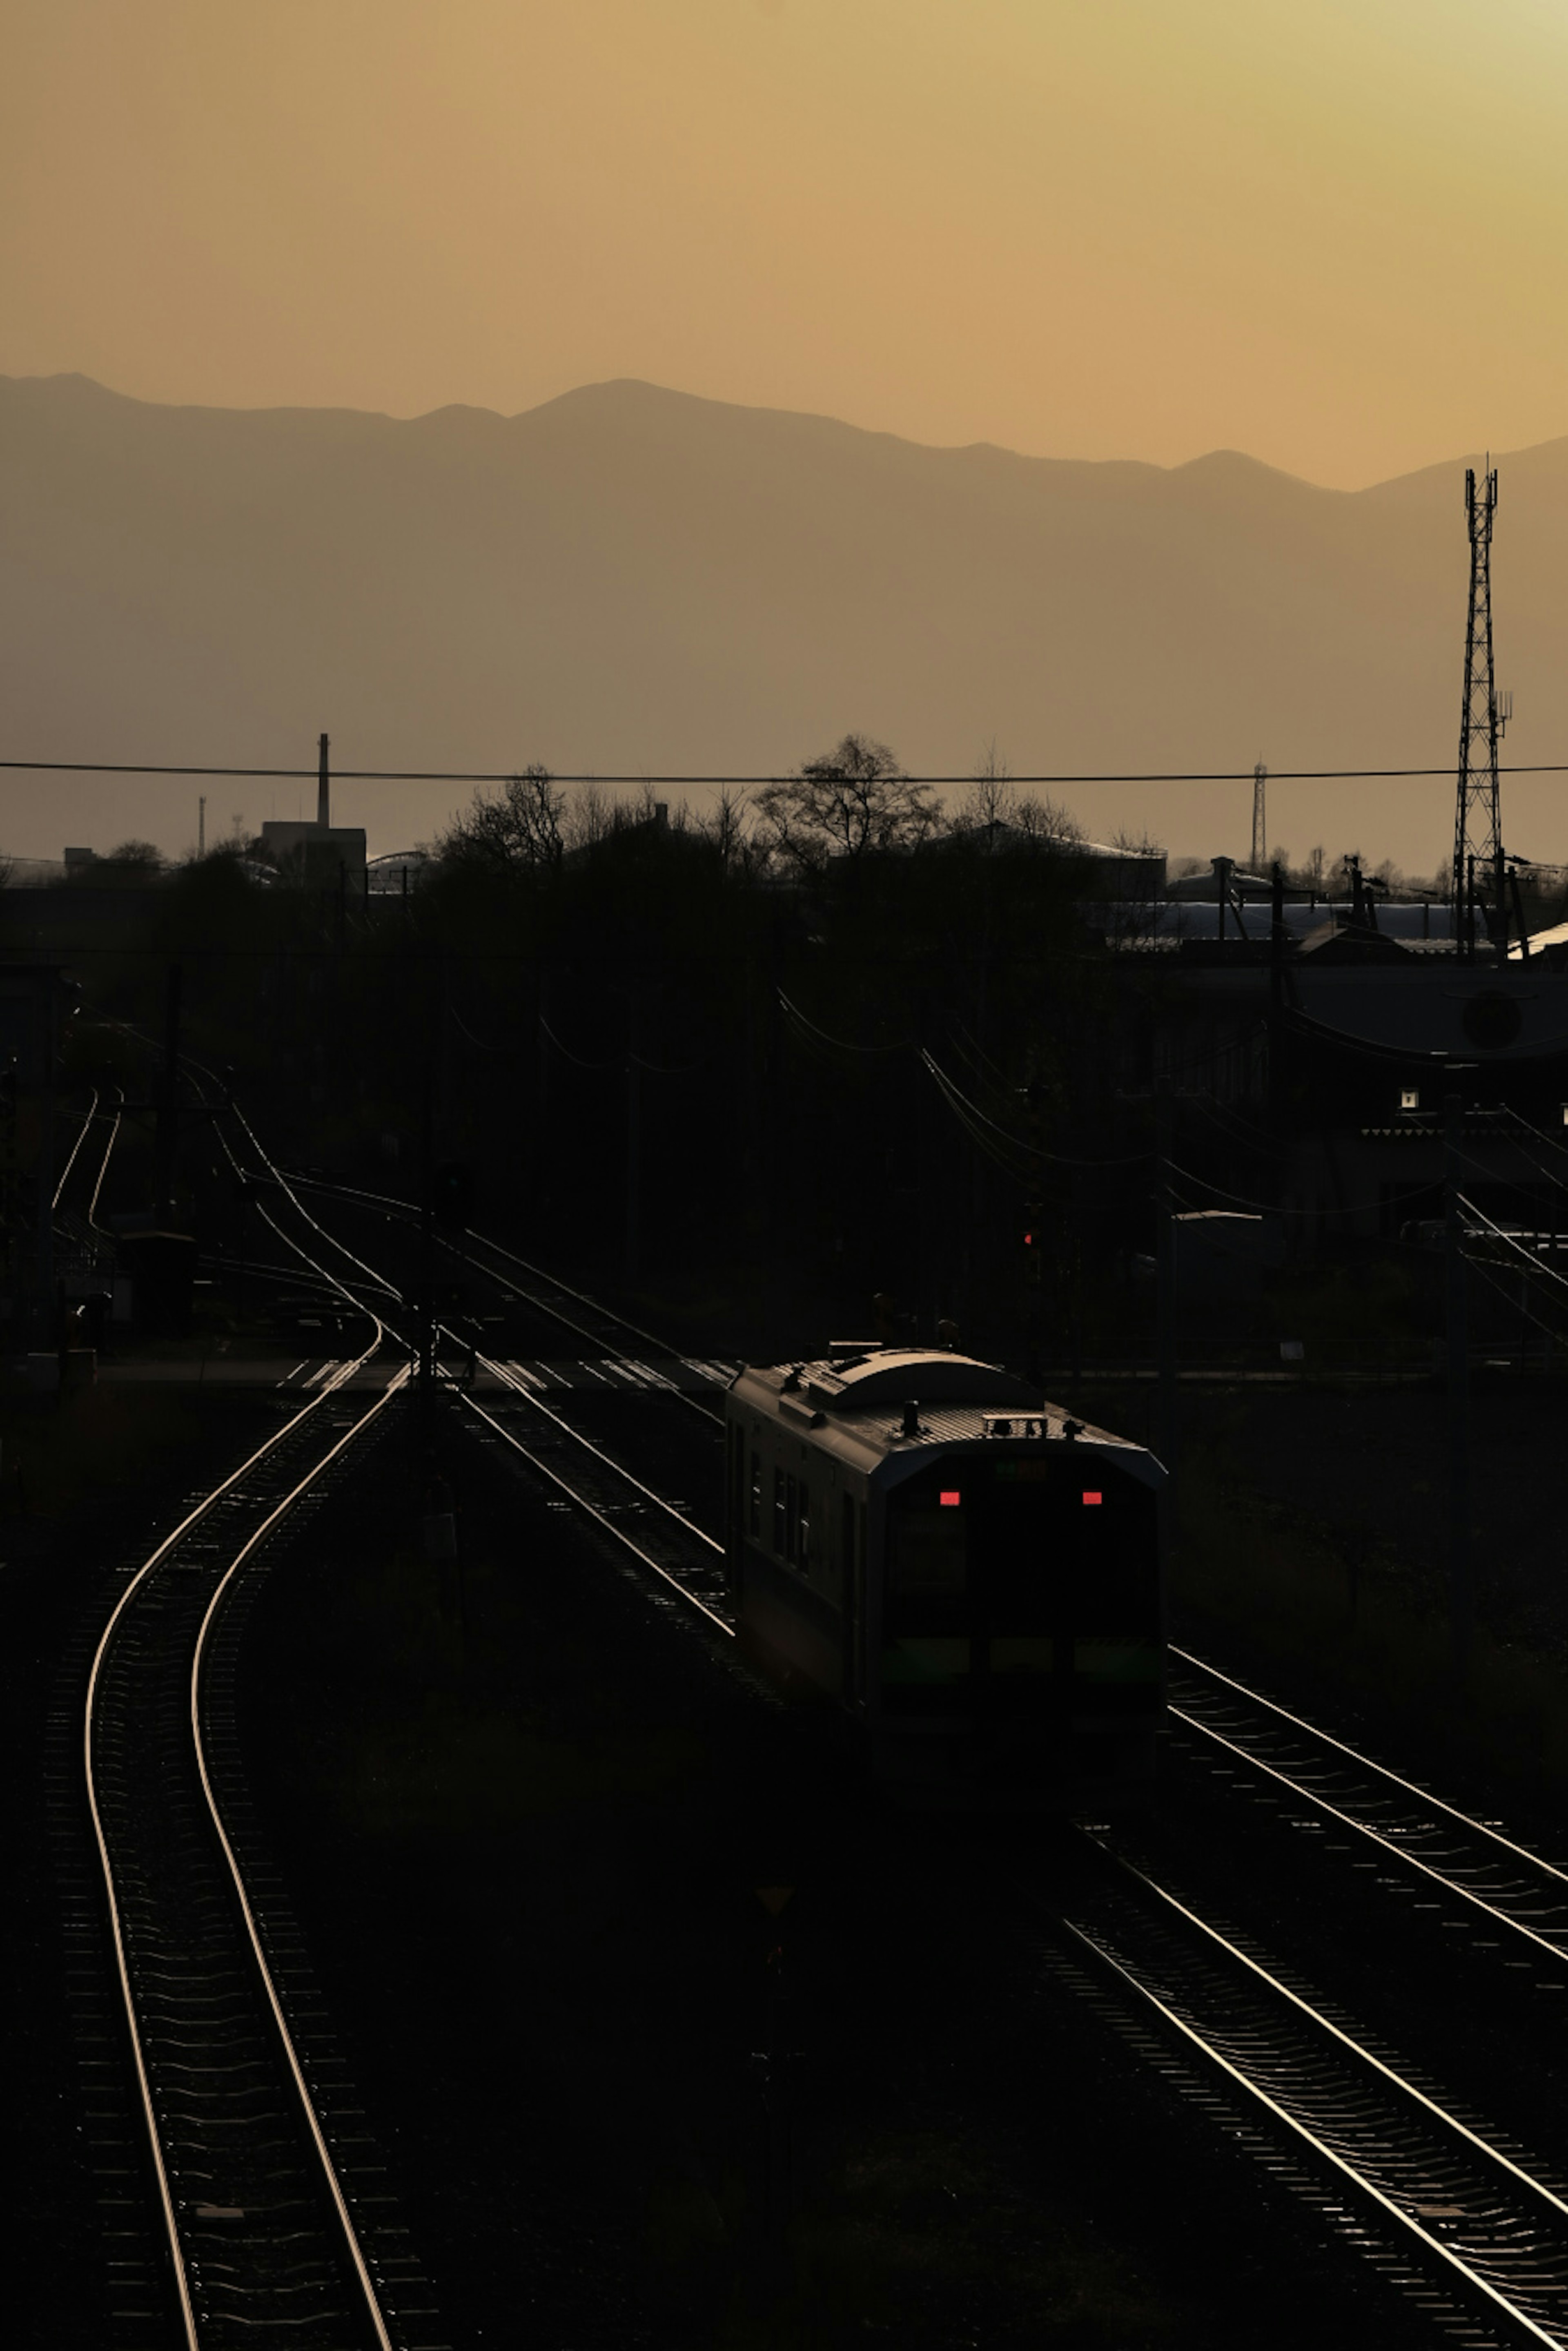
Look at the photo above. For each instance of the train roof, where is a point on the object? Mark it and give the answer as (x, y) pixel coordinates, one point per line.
(856, 1406)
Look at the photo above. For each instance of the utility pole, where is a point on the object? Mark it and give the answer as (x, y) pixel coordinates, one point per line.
(168, 1109)
(1458, 1398)
(323, 787)
(1165, 1268)
(1278, 941)
(427, 1238)
(633, 1147)
(1483, 715)
(1259, 828)
(201, 824)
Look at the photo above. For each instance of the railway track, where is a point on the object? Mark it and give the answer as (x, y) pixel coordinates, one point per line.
(1420, 1840)
(1469, 2223)
(271, 2224)
(656, 1527)
(694, 1380)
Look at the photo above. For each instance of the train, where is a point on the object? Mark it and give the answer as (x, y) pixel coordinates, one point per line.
(969, 1575)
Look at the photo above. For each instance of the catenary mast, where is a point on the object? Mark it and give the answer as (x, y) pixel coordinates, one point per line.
(1478, 828)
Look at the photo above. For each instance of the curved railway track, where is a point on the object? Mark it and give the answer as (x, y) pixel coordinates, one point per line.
(246, 2137)
(655, 1528)
(588, 1320)
(1466, 2223)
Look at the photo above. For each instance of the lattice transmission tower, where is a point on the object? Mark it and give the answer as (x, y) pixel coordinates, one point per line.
(1478, 825)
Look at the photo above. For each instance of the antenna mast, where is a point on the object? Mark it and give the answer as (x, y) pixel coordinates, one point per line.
(1478, 828)
(1260, 830)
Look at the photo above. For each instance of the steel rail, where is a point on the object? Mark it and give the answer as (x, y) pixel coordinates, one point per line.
(330, 1239)
(71, 1161)
(407, 1209)
(510, 1438)
(1320, 2146)
(291, 2054)
(1390, 1845)
(1365, 1763)
(149, 1567)
(331, 1280)
(1325, 2024)
(503, 1373)
(1410, 2220)
(103, 1165)
(518, 1388)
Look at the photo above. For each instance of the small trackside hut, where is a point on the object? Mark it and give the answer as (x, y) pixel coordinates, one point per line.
(972, 1576)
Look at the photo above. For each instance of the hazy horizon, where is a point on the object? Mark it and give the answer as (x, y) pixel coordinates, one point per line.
(628, 579)
(1296, 267)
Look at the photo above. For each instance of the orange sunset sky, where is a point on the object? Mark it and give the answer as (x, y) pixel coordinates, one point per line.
(1331, 235)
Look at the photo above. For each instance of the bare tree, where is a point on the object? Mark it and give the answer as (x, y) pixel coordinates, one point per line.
(852, 802)
(137, 856)
(520, 827)
(592, 818)
(726, 829)
(1047, 824)
(993, 803)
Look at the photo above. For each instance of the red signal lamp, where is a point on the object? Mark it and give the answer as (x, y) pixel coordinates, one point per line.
(1094, 1498)
(951, 1499)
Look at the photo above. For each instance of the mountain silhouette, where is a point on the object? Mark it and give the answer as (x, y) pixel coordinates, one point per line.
(634, 580)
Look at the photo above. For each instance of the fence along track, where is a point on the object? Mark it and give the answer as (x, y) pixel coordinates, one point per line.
(256, 2222)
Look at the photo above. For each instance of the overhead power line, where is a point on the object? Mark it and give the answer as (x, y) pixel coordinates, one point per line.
(509, 775)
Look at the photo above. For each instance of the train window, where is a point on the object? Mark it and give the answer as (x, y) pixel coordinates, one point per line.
(1049, 1563)
(755, 1519)
(927, 1570)
(779, 1519)
(1022, 1558)
(1118, 1565)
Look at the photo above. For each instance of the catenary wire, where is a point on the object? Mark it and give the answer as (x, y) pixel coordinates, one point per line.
(786, 776)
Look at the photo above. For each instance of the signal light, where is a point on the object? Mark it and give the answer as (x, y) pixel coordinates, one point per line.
(1094, 1498)
(950, 1501)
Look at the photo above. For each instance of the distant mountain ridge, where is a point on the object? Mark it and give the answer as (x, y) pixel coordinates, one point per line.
(631, 579)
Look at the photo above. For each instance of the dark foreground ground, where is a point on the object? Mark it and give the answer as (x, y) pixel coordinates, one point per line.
(527, 1862)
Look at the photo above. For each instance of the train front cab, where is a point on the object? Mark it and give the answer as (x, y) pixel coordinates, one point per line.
(1015, 1623)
